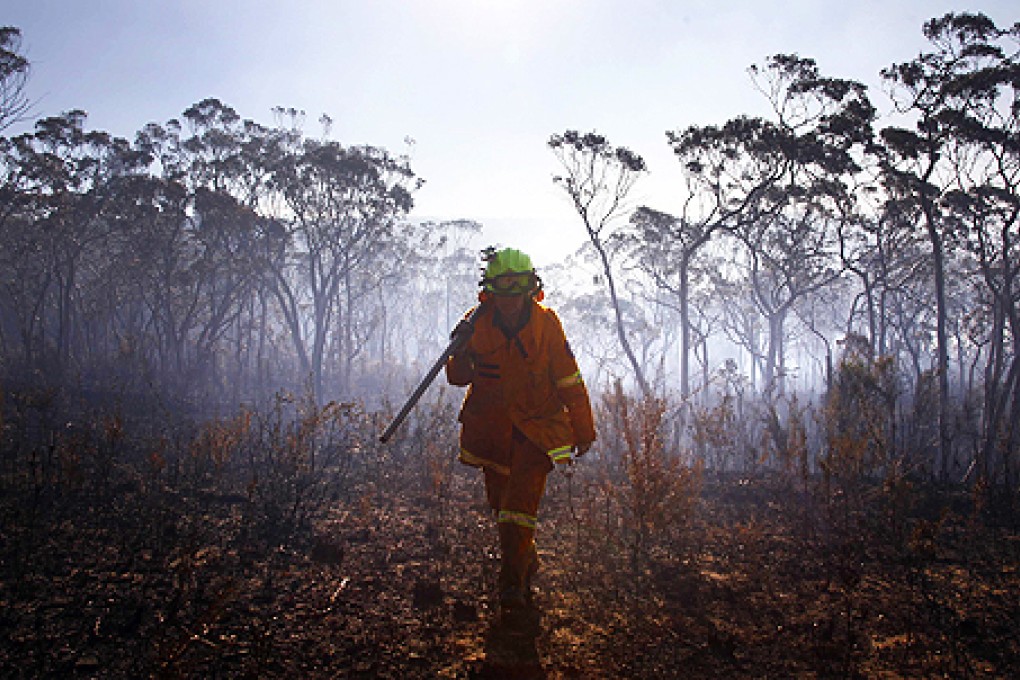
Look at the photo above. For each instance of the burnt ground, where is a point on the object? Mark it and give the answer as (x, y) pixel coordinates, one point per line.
(394, 580)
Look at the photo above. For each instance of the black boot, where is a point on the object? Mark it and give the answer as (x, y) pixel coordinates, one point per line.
(514, 573)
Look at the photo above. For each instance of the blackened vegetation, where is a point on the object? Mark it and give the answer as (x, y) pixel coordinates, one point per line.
(288, 542)
(739, 521)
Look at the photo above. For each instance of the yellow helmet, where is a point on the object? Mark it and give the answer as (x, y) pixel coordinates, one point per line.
(509, 272)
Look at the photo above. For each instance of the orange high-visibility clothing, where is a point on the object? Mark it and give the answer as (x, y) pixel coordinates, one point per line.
(530, 382)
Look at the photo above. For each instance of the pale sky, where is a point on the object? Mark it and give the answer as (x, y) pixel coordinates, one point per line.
(480, 85)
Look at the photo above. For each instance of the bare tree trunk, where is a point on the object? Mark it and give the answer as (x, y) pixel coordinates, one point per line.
(942, 343)
(773, 379)
(621, 333)
(685, 329)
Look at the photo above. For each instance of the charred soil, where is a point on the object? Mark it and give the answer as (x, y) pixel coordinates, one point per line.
(395, 580)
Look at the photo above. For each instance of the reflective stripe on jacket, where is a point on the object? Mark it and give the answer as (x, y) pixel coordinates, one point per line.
(530, 382)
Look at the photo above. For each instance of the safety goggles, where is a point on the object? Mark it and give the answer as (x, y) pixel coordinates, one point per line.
(511, 284)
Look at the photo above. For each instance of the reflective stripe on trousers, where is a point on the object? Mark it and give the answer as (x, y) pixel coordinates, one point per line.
(469, 458)
(518, 518)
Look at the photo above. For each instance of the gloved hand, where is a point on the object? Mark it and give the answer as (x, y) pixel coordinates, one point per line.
(463, 328)
(461, 336)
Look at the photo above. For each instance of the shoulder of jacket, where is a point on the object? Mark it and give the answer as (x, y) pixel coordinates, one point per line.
(547, 314)
(548, 327)
(542, 309)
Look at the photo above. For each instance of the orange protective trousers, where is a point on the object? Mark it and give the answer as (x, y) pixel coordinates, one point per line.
(515, 499)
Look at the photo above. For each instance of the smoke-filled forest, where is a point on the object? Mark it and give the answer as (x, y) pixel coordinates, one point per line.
(805, 387)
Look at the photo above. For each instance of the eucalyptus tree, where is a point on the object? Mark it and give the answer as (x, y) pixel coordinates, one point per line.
(425, 281)
(823, 314)
(455, 261)
(226, 237)
(705, 320)
(51, 185)
(25, 273)
(144, 281)
(990, 222)
(666, 250)
(981, 203)
(225, 165)
(746, 174)
(961, 96)
(665, 247)
(66, 174)
(344, 205)
(884, 253)
(740, 321)
(790, 258)
(210, 155)
(437, 264)
(598, 180)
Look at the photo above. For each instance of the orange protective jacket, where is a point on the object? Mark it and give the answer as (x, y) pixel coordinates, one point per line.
(529, 382)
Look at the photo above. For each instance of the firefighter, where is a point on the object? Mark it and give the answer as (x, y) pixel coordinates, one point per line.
(526, 410)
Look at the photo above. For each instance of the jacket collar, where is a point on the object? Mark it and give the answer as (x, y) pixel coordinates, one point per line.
(511, 331)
